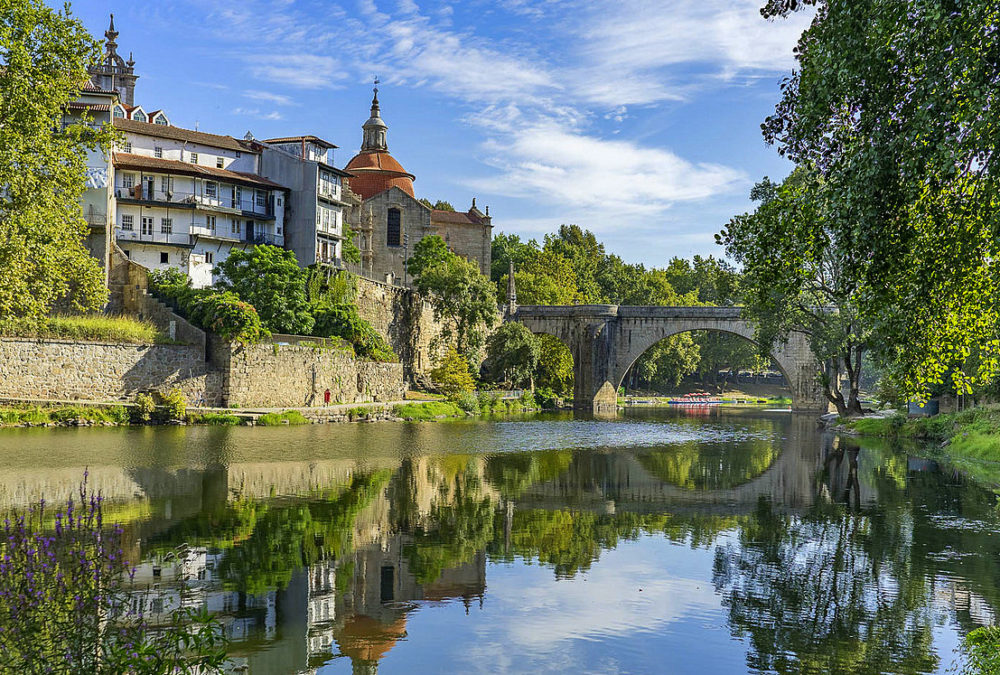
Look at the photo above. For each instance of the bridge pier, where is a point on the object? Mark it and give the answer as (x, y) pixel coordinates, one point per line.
(605, 340)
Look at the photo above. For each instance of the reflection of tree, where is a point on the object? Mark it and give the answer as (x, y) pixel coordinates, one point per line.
(513, 473)
(701, 466)
(265, 541)
(834, 591)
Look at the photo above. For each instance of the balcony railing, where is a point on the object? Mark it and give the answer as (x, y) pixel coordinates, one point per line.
(179, 239)
(246, 204)
(265, 238)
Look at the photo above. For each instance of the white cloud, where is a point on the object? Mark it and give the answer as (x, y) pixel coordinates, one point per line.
(307, 71)
(279, 99)
(257, 113)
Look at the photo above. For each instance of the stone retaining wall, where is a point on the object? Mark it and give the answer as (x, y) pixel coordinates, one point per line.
(275, 376)
(102, 371)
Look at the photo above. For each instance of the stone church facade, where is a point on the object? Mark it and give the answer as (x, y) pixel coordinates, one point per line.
(390, 220)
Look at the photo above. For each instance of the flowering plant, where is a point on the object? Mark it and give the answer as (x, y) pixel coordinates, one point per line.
(69, 604)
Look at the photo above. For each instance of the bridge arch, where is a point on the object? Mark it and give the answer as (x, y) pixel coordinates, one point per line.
(606, 340)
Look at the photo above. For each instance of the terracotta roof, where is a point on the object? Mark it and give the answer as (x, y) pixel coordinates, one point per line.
(179, 134)
(453, 217)
(377, 171)
(127, 161)
(91, 87)
(298, 139)
(97, 107)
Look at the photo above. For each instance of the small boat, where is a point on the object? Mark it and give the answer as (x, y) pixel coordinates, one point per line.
(695, 400)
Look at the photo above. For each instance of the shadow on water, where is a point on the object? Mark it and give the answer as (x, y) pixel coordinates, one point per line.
(323, 546)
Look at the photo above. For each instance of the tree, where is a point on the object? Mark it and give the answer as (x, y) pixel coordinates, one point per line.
(452, 375)
(895, 104)
(512, 354)
(796, 276)
(44, 55)
(506, 249)
(271, 280)
(584, 253)
(349, 250)
(459, 294)
(428, 251)
(439, 205)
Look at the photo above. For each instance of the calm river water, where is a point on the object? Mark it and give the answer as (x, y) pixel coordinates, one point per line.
(661, 542)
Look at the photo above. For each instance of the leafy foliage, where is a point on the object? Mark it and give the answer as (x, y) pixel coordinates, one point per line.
(45, 264)
(452, 375)
(344, 321)
(512, 354)
(270, 280)
(895, 105)
(223, 313)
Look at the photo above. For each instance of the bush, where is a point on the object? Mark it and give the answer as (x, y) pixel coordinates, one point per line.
(452, 376)
(220, 312)
(144, 407)
(289, 417)
(467, 401)
(546, 398)
(343, 321)
(174, 404)
(982, 646)
(69, 602)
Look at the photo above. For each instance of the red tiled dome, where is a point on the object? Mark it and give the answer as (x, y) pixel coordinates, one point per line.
(376, 171)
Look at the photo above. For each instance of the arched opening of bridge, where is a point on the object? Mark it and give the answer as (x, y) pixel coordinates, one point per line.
(706, 361)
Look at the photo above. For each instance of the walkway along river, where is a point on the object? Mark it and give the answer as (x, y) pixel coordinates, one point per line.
(662, 541)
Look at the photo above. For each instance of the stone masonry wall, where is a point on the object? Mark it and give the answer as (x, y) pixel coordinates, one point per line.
(274, 376)
(103, 371)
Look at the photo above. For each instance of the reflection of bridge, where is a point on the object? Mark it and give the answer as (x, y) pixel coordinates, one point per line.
(606, 340)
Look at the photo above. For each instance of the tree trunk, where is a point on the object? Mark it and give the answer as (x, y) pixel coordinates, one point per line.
(831, 388)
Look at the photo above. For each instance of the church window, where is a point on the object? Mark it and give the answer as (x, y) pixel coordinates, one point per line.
(393, 228)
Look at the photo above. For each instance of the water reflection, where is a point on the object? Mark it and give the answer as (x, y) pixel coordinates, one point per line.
(341, 547)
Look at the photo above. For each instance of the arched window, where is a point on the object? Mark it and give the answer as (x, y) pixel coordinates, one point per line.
(393, 227)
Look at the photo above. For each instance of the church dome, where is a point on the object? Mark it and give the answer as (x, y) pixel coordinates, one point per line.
(374, 169)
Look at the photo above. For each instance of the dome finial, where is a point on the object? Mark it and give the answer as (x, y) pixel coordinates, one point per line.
(111, 33)
(375, 89)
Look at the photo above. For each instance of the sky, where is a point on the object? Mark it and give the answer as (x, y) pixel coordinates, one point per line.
(636, 119)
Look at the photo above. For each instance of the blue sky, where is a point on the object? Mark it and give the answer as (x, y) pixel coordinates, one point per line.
(637, 119)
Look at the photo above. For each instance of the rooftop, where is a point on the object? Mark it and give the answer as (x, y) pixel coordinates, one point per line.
(298, 139)
(128, 161)
(180, 134)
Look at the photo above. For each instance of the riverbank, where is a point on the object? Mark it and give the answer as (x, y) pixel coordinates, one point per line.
(109, 414)
(969, 439)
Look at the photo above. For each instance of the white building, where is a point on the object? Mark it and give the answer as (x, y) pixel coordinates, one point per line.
(186, 198)
(315, 217)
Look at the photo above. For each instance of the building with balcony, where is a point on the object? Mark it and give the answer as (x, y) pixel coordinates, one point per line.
(317, 201)
(186, 198)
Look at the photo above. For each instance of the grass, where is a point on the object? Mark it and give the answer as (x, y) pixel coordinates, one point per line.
(37, 416)
(427, 411)
(415, 395)
(290, 417)
(214, 419)
(97, 328)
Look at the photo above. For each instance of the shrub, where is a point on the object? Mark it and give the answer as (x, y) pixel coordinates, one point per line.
(289, 417)
(982, 647)
(68, 602)
(452, 376)
(528, 401)
(228, 316)
(144, 407)
(174, 404)
(343, 321)
(467, 401)
(270, 279)
(215, 419)
(546, 398)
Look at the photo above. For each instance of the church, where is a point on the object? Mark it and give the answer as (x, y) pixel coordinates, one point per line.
(390, 220)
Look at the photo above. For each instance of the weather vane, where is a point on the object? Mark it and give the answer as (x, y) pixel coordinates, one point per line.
(377, 82)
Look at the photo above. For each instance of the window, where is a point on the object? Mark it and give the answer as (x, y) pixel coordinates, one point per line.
(164, 257)
(235, 226)
(210, 223)
(128, 254)
(127, 222)
(238, 197)
(279, 201)
(127, 147)
(238, 155)
(194, 157)
(393, 227)
(128, 180)
(279, 229)
(158, 152)
(261, 198)
(147, 225)
(161, 119)
(139, 116)
(119, 112)
(165, 184)
(219, 162)
(209, 257)
(211, 189)
(167, 225)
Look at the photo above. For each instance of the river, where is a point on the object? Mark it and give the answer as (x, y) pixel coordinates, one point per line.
(663, 541)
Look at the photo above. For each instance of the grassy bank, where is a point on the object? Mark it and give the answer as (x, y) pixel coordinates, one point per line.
(969, 439)
(95, 328)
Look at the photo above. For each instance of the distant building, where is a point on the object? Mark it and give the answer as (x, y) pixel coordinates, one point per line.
(314, 220)
(391, 220)
(187, 198)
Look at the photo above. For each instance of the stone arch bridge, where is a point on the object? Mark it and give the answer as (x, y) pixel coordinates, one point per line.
(606, 340)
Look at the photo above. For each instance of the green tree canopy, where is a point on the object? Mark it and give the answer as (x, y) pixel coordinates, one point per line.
(428, 251)
(271, 280)
(512, 354)
(44, 55)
